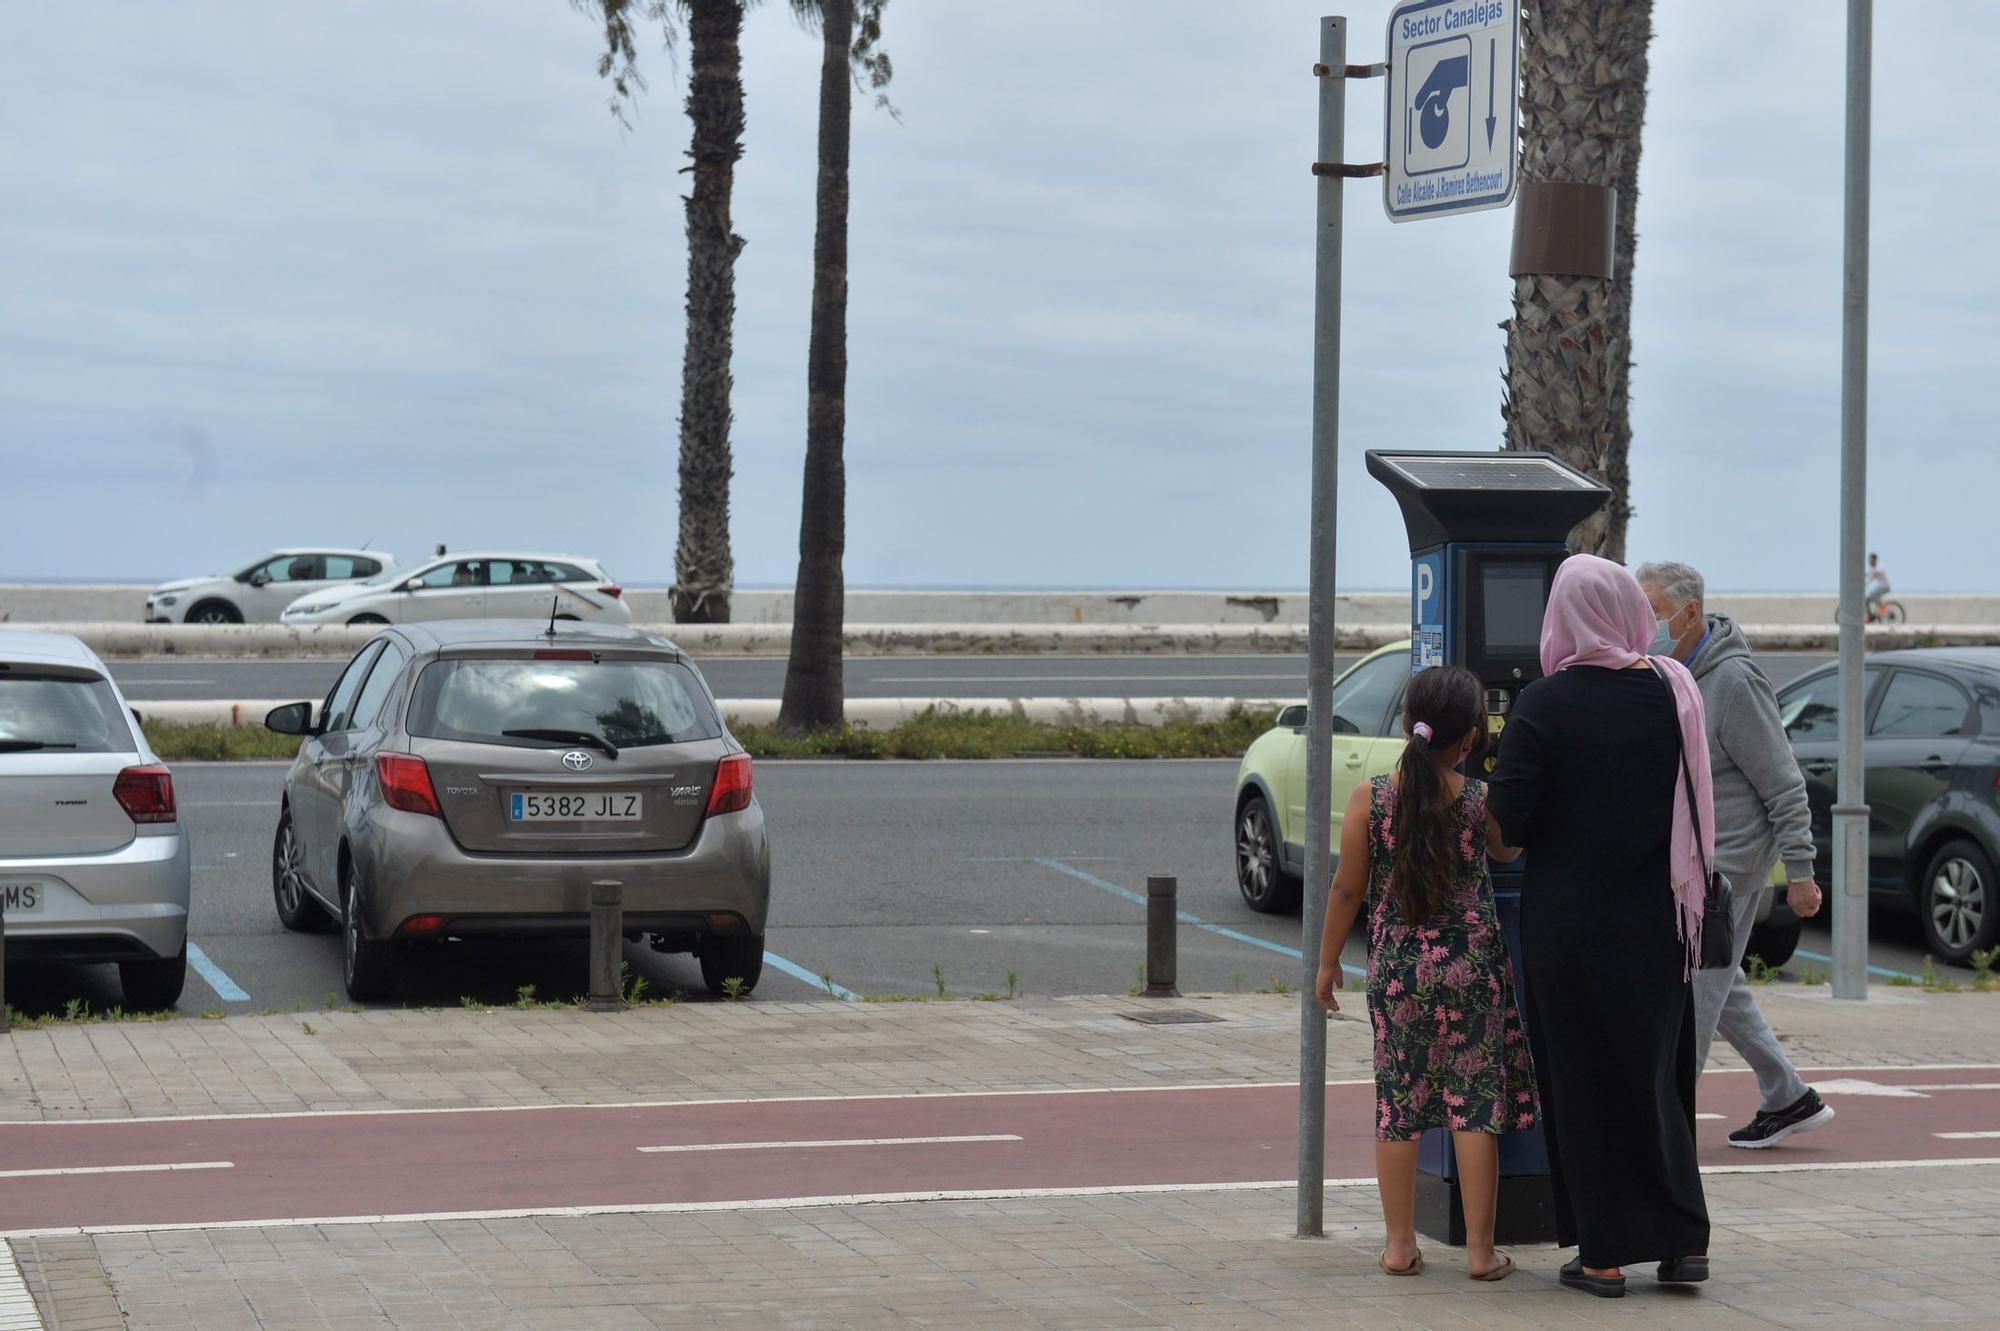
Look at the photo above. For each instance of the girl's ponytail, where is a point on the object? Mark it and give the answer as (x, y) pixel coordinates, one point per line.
(1442, 705)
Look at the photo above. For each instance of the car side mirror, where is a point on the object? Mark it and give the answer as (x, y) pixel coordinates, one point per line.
(1293, 717)
(412, 585)
(135, 715)
(260, 579)
(294, 718)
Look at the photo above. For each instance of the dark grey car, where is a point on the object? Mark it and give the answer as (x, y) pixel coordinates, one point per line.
(472, 779)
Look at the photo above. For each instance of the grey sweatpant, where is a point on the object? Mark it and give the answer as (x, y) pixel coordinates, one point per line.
(1722, 1002)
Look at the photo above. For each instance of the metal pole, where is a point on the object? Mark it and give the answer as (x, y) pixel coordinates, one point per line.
(607, 934)
(1849, 901)
(1162, 915)
(1320, 638)
(3, 973)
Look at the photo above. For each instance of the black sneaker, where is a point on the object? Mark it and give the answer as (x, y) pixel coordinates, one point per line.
(1772, 1126)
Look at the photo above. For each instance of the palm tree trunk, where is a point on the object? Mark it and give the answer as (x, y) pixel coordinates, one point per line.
(814, 692)
(704, 572)
(1569, 342)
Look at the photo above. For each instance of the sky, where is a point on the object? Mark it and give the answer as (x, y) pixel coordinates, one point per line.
(377, 272)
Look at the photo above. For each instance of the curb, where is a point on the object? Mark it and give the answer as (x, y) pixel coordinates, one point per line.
(338, 641)
(862, 713)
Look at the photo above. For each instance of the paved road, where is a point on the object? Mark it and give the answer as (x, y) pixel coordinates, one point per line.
(176, 1172)
(1265, 676)
(881, 872)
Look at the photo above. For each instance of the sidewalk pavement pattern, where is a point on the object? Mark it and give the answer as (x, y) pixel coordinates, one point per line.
(1823, 1246)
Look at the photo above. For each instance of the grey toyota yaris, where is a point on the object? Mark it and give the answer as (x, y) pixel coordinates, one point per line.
(472, 779)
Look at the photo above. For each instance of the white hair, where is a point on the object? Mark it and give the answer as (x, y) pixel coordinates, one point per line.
(1680, 582)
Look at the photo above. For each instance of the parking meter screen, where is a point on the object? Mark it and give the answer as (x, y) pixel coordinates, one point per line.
(1513, 596)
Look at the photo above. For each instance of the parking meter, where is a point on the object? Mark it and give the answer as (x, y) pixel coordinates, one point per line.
(1487, 532)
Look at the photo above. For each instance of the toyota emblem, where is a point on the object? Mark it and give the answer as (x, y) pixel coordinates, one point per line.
(576, 760)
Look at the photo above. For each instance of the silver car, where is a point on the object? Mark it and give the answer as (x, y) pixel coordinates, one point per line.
(472, 585)
(259, 592)
(93, 858)
(473, 779)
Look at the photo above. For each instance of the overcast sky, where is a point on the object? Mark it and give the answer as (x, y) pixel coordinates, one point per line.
(374, 271)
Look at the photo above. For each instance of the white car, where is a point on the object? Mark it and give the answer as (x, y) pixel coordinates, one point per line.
(472, 585)
(259, 593)
(93, 858)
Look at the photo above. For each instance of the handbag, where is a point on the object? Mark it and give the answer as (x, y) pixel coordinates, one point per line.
(1718, 928)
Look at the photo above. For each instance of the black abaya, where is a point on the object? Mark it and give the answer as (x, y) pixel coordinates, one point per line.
(1588, 765)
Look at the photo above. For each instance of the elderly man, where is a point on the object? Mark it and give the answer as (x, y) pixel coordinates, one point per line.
(1761, 817)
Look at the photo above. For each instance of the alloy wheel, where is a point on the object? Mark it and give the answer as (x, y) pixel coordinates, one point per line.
(1958, 903)
(291, 888)
(1253, 850)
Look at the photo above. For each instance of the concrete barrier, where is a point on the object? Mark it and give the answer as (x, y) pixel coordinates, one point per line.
(126, 604)
(704, 641)
(863, 713)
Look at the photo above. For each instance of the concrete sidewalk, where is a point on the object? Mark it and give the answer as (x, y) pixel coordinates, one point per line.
(1838, 1247)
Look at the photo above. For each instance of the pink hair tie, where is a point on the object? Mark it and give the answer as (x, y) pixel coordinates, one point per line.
(1422, 730)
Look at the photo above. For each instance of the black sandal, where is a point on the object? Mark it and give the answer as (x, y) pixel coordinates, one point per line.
(1683, 1271)
(1604, 1287)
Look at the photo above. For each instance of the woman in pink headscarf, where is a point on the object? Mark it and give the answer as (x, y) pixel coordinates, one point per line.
(1590, 782)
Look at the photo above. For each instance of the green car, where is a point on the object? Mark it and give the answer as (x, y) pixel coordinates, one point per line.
(1271, 783)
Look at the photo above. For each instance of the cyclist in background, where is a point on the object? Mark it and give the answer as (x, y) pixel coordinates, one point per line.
(1877, 587)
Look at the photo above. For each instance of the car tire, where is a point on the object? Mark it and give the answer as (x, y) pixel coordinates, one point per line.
(297, 910)
(214, 612)
(1958, 901)
(154, 984)
(369, 967)
(1260, 870)
(726, 957)
(1773, 944)
(367, 619)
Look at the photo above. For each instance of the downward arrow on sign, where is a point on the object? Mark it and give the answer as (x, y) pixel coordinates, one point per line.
(1492, 56)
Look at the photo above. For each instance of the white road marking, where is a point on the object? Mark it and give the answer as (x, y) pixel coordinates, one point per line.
(842, 1141)
(1286, 678)
(859, 1199)
(116, 1169)
(1958, 1086)
(1965, 1136)
(1858, 1086)
(17, 1307)
(1709, 1117)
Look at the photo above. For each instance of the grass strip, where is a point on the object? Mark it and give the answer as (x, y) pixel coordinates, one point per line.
(932, 734)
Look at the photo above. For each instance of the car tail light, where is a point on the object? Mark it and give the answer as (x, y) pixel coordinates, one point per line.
(547, 654)
(421, 924)
(406, 783)
(731, 791)
(612, 589)
(146, 794)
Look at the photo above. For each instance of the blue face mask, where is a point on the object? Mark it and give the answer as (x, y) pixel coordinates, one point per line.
(1663, 640)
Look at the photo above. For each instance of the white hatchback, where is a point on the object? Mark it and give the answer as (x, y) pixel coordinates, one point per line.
(475, 585)
(94, 861)
(259, 593)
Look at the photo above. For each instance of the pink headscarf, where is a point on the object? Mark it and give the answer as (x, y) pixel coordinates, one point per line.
(1599, 616)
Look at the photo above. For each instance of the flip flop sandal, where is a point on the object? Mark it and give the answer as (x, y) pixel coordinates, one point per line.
(1500, 1272)
(1415, 1268)
(1573, 1275)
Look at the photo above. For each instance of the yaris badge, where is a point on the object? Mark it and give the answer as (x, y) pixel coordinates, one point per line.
(576, 760)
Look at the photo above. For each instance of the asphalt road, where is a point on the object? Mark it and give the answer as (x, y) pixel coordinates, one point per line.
(1261, 676)
(887, 876)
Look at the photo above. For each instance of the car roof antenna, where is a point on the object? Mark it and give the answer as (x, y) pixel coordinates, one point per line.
(554, 603)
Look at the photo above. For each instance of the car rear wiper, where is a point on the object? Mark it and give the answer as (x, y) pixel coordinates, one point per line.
(31, 745)
(567, 737)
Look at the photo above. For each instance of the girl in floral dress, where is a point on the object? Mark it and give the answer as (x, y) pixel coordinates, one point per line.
(1449, 1049)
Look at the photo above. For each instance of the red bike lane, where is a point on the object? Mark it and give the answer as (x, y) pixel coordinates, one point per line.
(149, 1173)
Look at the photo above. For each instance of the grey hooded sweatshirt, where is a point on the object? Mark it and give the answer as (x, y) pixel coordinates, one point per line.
(1761, 814)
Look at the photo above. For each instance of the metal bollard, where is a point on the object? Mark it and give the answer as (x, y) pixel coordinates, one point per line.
(607, 936)
(1162, 915)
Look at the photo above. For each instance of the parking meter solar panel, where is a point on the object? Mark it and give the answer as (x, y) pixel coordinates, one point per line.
(1450, 497)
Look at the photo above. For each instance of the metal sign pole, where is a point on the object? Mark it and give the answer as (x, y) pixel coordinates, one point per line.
(1320, 637)
(1850, 814)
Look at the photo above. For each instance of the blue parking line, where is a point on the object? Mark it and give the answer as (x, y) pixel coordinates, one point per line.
(1872, 970)
(798, 972)
(1219, 930)
(218, 979)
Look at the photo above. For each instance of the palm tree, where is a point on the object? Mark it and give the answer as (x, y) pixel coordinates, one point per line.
(814, 693)
(1569, 342)
(704, 570)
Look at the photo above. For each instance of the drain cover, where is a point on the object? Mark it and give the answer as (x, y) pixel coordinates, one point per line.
(1169, 1016)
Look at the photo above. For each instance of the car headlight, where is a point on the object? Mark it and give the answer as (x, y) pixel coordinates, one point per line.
(169, 600)
(315, 608)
